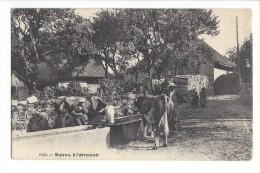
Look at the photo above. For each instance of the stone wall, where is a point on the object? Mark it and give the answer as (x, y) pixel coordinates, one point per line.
(19, 90)
(196, 82)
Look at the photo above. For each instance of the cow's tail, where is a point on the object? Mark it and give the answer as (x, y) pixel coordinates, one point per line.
(166, 124)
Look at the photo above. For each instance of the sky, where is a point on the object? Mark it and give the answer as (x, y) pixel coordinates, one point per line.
(226, 39)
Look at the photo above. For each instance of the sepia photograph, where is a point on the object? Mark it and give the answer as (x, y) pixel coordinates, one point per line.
(131, 84)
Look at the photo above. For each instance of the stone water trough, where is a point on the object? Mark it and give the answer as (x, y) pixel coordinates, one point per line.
(124, 129)
(61, 143)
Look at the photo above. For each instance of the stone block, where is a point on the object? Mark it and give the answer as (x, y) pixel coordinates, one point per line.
(14, 103)
(32, 99)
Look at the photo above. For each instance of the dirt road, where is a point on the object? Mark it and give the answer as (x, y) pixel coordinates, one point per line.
(221, 131)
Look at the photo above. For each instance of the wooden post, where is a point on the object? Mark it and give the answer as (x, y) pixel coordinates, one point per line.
(238, 59)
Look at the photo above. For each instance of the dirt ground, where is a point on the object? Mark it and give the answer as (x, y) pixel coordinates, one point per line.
(220, 131)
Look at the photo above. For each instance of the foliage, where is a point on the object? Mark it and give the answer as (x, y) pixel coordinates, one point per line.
(73, 89)
(226, 84)
(57, 37)
(111, 42)
(190, 61)
(37, 123)
(119, 85)
(164, 38)
(246, 58)
(48, 93)
(162, 35)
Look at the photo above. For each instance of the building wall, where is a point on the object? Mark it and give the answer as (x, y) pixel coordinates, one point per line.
(218, 72)
(18, 88)
(208, 70)
(16, 81)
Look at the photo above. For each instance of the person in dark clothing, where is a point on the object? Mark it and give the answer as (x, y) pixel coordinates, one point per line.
(165, 86)
(203, 97)
(195, 99)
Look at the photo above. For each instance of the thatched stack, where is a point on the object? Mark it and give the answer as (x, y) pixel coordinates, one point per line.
(182, 88)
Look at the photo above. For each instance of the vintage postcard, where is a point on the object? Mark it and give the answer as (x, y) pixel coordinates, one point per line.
(132, 84)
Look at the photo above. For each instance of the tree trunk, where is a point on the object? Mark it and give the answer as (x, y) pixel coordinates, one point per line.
(136, 76)
(148, 66)
(176, 69)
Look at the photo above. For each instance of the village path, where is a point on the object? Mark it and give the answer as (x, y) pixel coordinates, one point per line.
(221, 131)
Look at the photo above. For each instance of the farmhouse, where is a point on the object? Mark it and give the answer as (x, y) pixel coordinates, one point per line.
(209, 69)
(212, 69)
(221, 65)
(88, 77)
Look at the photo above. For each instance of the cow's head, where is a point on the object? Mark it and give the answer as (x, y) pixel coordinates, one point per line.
(97, 103)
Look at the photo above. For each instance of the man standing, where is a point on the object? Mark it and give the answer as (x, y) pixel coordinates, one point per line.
(173, 114)
(172, 93)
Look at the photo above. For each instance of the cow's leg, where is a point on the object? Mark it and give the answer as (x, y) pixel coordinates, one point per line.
(165, 140)
(145, 131)
(152, 134)
(63, 122)
(175, 120)
(157, 138)
(63, 116)
(145, 126)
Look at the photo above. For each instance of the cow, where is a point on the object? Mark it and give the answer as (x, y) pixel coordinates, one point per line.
(154, 113)
(63, 108)
(97, 110)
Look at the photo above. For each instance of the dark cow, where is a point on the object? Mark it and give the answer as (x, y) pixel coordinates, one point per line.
(154, 113)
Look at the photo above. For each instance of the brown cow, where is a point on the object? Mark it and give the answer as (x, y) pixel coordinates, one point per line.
(154, 113)
(63, 108)
(97, 110)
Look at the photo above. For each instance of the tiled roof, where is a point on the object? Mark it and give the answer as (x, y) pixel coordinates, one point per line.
(93, 69)
(218, 57)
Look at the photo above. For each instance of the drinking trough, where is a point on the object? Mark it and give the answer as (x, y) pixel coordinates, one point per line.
(61, 143)
(124, 129)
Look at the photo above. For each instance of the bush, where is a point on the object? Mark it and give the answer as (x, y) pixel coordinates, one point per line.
(37, 123)
(119, 85)
(73, 89)
(226, 84)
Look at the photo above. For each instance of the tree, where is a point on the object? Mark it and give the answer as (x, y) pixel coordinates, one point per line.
(246, 59)
(163, 35)
(196, 54)
(111, 41)
(51, 36)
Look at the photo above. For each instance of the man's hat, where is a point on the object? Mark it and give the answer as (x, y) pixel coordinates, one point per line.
(172, 85)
